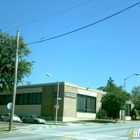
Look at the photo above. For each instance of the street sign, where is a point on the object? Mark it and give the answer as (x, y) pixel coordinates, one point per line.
(56, 106)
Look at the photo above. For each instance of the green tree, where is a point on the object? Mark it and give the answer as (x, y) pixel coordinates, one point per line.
(7, 61)
(136, 97)
(115, 98)
(110, 81)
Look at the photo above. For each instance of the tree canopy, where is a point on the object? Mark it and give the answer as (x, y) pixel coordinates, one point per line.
(7, 61)
(115, 98)
(136, 97)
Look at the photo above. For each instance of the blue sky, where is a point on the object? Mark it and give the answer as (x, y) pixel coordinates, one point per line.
(88, 57)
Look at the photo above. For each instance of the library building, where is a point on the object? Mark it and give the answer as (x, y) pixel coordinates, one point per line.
(74, 102)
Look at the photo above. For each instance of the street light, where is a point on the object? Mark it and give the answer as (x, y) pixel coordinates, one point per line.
(129, 77)
(56, 106)
(136, 74)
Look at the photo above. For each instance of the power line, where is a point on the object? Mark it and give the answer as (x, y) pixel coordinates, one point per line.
(63, 12)
(47, 17)
(57, 13)
(83, 19)
(84, 26)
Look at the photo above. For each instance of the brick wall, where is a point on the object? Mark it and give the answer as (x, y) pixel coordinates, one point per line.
(49, 101)
(70, 103)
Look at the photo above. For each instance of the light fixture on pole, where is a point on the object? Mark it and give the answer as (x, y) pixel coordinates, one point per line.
(129, 77)
(136, 74)
(56, 106)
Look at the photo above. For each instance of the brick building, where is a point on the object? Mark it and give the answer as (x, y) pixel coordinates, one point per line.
(76, 102)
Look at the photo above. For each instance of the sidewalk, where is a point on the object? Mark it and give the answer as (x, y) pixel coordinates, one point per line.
(4, 128)
(92, 122)
(132, 121)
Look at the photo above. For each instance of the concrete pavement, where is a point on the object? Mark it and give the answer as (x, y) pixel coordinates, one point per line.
(4, 128)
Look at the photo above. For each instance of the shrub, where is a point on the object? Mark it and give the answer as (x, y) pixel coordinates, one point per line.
(101, 114)
(138, 112)
(134, 113)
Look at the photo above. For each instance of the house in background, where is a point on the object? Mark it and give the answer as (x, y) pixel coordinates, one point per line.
(76, 102)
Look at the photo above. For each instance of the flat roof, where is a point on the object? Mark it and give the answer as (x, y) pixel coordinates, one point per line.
(60, 83)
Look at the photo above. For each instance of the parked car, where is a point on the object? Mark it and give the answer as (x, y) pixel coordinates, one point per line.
(6, 117)
(32, 119)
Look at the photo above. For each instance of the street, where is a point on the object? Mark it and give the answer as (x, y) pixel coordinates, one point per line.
(73, 132)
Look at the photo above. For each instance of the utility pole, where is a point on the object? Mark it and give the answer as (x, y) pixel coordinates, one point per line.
(28, 82)
(15, 83)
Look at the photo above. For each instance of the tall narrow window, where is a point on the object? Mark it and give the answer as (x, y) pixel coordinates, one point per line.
(128, 110)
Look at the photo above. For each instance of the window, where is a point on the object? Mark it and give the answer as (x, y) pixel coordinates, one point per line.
(5, 99)
(39, 98)
(25, 99)
(128, 109)
(34, 98)
(86, 103)
(22, 99)
(30, 98)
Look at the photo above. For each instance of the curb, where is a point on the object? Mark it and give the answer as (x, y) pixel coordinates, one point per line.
(15, 129)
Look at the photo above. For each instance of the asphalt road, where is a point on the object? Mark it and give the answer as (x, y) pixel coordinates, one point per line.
(72, 132)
